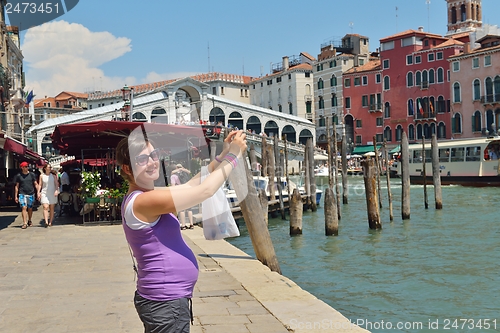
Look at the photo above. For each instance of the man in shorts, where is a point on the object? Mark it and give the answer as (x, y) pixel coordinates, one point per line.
(26, 187)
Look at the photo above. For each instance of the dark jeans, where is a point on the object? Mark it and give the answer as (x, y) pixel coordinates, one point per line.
(164, 316)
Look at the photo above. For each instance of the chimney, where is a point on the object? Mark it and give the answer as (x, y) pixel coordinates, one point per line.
(421, 29)
(286, 64)
(467, 48)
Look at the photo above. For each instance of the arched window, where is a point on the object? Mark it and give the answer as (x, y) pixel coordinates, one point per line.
(418, 79)
(497, 88)
(477, 13)
(440, 74)
(441, 131)
(456, 93)
(456, 124)
(490, 127)
(387, 110)
(308, 89)
(333, 81)
(453, 15)
(399, 133)
(425, 77)
(411, 108)
(426, 131)
(388, 134)
(334, 100)
(320, 84)
(432, 78)
(419, 131)
(321, 102)
(433, 130)
(441, 105)
(409, 79)
(477, 90)
(476, 122)
(463, 13)
(387, 83)
(321, 122)
(411, 132)
(489, 89)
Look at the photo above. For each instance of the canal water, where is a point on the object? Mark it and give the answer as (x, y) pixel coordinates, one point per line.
(426, 274)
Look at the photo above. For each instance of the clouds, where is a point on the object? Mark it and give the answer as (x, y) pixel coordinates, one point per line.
(67, 56)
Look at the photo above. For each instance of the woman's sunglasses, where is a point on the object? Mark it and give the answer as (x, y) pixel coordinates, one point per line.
(143, 159)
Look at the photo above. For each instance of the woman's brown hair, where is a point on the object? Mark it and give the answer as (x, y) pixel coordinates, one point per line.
(129, 146)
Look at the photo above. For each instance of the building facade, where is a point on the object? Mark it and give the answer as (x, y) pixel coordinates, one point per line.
(475, 89)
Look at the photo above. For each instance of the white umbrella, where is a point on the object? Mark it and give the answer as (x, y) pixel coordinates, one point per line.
(319, 157)
(370, 153)
(355, 156)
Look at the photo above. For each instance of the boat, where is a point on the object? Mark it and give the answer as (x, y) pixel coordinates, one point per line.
(263, 183)
(467, 162)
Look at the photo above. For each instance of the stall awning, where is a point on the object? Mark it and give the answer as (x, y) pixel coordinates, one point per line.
(35, 158)
(12, 145)
(364, 149)
(395, 150)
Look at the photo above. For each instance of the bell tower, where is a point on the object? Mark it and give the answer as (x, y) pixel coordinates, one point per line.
(464, 16)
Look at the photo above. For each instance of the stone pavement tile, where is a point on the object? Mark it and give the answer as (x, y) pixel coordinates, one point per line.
(223, 320)
(211, 309)
(276, 327)
(226, 328)
(249, 310)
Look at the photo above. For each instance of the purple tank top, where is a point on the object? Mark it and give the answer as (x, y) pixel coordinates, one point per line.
(167, 268)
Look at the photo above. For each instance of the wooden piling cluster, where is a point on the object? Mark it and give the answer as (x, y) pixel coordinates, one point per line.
(372, 196)
(330, 199)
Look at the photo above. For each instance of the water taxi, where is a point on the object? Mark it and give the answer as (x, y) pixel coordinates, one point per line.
(467, 162)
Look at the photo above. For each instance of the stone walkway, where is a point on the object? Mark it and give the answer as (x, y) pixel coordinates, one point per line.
(71, 278)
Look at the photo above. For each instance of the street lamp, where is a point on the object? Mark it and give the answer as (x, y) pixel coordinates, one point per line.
(128, 95)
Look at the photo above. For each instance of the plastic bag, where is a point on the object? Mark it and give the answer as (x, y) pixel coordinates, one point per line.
(218, 221)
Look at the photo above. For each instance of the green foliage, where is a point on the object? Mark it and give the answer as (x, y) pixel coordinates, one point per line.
(91, 182)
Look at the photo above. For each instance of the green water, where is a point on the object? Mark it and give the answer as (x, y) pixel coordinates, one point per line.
(439, 268)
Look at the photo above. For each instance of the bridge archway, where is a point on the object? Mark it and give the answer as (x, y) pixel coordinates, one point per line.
(304, 135)
(216, 115)
(235, 119)
(290, 133)
(159, 115)
(254, 124)
(271, 128)
(139, 116)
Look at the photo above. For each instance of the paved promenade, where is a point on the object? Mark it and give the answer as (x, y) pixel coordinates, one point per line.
(71, 278)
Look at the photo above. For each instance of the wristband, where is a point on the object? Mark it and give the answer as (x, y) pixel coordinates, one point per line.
(231, 159)
(217, 159)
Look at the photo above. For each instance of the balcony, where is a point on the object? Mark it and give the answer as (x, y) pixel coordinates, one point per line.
(321, 92)
(333, 90)
(377, 107)
(490, 99)
(424, 85)
(425, 115)
(320, 112)
(308, 98)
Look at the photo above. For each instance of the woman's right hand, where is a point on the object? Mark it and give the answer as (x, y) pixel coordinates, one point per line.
(238, 142)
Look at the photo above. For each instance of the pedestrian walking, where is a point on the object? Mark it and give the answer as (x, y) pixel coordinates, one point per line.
(26, 187)
(49, 190)
(167, 268)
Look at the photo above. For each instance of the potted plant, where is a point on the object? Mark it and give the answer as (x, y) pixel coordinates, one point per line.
(91, 182)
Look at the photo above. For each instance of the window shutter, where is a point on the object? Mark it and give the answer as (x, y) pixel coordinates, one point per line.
(473, 123)
(453, 125)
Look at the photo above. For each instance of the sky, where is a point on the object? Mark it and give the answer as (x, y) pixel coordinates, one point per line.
(103, 45)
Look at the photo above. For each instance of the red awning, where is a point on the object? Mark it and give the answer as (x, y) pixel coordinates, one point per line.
(12, 145)
(32, 156)
(88, 161)
(92, 138)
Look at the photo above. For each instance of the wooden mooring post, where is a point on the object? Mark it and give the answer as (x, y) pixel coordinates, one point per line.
(312, 178)
(307, 179)
(345, 190)
(253, 158)
(271, 172)
(264, 203)
(436, 173)
(279, 174)
(263, 149)
(388, 177)
(336, 172)
(424, 173)
(256, 225)
(378, 170)
(405, 178)
(331, 217)
(295, 209)
(372, 201)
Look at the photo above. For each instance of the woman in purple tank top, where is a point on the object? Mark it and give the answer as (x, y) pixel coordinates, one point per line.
(167, 269)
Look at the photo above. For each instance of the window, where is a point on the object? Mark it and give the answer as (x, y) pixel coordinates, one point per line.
(380, 122)
(333, 81)
(361, 62)
(364, 100)
(356, 81)
(440, 75)
(290, 108)
(399, 132)
(364, 80)
(426, 42)
(448, 75)
(411, 108)
(457, 154)
(411, 132)
(439, 56)
(387, 110)
(308, 107)
(409, 59)
(358, 139)
(347, 83)
(334, 100)
(487, 60)
(320, 84)
(387, 83)
(477, 90)
(386, 64)
(321, 122)
(278, 79)
(456, 93)
(388, 134)
(418, 59)
(379, 137)
(432, 78)
(307, 74)
(456, 124)
(473, 154)
(348, 102)
(476, 122)
(418, 78)
(378, 78)
(280, 108)
(475, 62)
(321, 103)
(409, 79)
(430, 57)
(456, 66)
(289, 76)
(358, 123)
(269, 82)
(331, 64)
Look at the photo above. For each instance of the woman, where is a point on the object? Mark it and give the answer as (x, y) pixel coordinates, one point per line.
(167, 268)
(49, 190)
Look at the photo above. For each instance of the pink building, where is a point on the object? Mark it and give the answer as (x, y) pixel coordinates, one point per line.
(475, 88)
